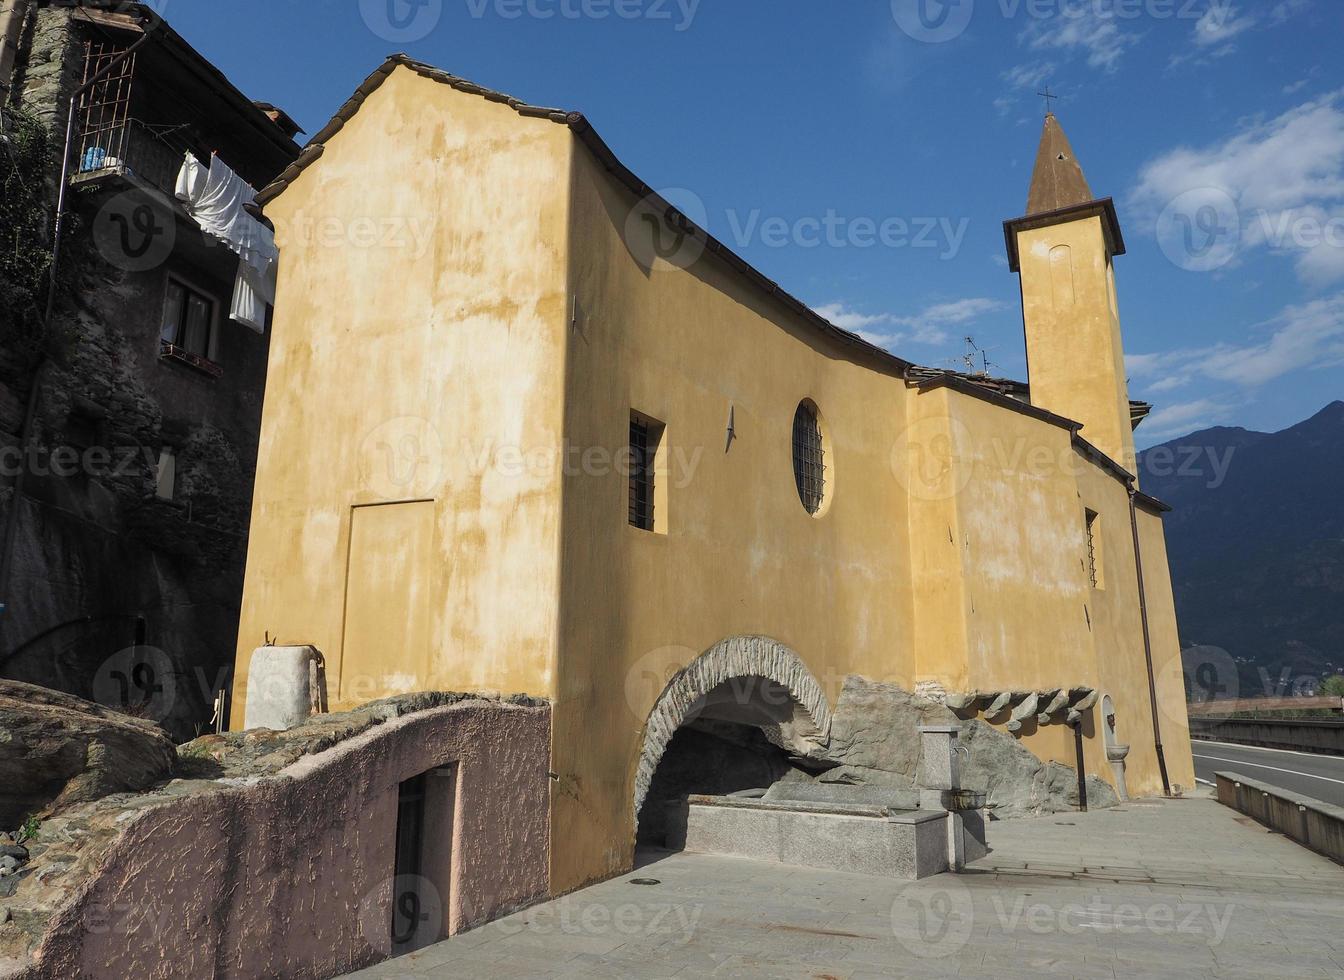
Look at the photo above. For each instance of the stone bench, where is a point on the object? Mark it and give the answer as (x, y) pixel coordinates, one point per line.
(859, 838)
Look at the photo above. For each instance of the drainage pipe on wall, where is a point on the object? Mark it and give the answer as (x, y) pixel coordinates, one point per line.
(1147, 640)
(1082, 768)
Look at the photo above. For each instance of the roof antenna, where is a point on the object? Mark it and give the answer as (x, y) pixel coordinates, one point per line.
(976, 359)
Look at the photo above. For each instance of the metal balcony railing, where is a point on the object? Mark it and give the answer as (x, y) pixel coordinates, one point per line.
(130, 149)
(113, 140)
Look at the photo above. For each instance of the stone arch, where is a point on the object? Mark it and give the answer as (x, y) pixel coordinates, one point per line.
(806, 732)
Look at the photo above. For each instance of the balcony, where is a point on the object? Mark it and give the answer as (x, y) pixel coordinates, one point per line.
(130, 124)
(134, 151)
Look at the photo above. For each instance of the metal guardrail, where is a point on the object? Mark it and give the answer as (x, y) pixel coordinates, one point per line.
(1313, 824)
(1239, 705)
(1324, 735)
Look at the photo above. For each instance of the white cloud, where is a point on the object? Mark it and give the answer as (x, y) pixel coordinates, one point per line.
(1093, 28)
(1303, 337)
(847, 319)
(1285, 176)
(1220, 24)
(1287, 9)
(1169, 383)
(1214, 33)
(1031, 75)
(929, 326)
(1183, 417)
(1216, 30)
(1025, 79)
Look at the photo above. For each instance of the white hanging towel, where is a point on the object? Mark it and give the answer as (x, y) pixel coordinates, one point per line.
(191, 181)
(255, 288)
(216, 201)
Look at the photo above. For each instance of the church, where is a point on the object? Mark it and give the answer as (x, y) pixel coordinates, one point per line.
(530, 429)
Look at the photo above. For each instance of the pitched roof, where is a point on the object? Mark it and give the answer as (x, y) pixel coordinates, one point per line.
(581, 128)
(1058, 180)
(145, 19)
(1017, 390)
(1010, 391)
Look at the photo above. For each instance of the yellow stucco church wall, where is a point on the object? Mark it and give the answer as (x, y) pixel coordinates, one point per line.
(417, 368)
(690, 348)
(867, 587)
(441, 501)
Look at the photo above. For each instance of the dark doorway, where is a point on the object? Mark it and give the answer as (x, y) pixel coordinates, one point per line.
(422, 875)
(710, 757)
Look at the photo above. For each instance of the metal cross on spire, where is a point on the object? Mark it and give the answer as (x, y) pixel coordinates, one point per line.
(1049, 97)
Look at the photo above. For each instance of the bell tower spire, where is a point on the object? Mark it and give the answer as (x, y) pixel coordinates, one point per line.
(1063, 248)
(1058, 181)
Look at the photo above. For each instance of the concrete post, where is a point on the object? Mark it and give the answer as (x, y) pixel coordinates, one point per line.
(939, 773)
(285, 687)
(938, 757)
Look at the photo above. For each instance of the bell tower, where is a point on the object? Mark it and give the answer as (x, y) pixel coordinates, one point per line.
(1063, 249)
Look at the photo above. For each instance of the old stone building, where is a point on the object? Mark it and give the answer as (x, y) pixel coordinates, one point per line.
(129, 417)
(542, 433)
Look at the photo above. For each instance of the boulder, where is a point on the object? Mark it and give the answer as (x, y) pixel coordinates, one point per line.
(875, 739)
(1001, 767)
(876, 726)
(1017, 783)
(57, 749)
(1060, 793)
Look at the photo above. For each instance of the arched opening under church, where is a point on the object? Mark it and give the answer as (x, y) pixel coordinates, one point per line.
(725, 746)
(743, 716)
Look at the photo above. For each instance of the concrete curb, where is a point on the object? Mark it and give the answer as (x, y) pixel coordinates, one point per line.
(1313, 824)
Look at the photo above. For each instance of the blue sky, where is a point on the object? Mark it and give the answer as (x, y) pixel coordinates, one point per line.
(865, 154)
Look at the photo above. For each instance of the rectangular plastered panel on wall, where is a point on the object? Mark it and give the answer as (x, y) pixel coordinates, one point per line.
(385, 648)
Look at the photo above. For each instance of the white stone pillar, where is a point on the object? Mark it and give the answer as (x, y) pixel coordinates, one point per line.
(285, 687)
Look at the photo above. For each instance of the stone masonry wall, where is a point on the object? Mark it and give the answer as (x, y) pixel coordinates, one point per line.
(109, 583)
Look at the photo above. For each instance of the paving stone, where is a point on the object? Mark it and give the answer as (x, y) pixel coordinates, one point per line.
(1107, 901)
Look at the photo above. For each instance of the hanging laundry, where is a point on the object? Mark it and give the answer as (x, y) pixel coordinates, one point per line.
(217, 200)
(191, 181)
(255, 287)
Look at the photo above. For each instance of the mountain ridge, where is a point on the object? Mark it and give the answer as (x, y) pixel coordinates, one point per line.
(1256, 545)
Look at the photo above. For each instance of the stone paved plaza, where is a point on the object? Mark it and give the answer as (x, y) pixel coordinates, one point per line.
(1154, 888)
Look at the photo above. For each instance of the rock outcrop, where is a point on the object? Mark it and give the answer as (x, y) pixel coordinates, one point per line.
(57, 750)
(876, 726)
(875, 739)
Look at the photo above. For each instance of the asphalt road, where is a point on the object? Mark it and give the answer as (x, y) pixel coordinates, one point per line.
(1308, 773)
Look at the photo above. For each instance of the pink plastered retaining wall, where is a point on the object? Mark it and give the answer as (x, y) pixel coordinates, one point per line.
(292, 876)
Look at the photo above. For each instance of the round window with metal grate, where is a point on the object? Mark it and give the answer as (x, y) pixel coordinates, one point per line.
(809, 457)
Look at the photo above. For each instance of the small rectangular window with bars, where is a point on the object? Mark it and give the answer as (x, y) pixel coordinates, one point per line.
(1094, 570)
(646, 497)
